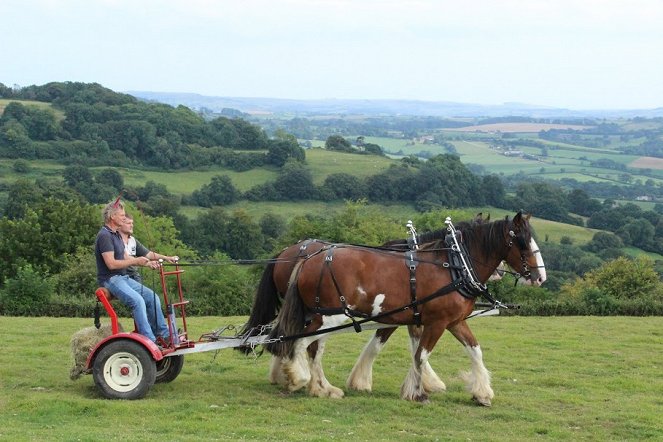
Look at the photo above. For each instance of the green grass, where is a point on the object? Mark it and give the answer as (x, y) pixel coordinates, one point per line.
(5, 101)
(556, 378)
(323, 163)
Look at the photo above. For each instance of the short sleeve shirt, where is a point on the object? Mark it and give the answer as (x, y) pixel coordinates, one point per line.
(135, 248)
(107, 241)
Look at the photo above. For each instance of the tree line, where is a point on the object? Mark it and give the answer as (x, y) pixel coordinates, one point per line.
(102, 127)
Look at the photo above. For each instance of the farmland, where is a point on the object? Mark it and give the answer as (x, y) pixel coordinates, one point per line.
(555, 378)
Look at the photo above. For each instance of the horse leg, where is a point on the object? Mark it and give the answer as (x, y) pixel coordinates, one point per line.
(276, 373)
(319, 385)
(413, 387)
(478, 380)
(361, 376)
(432, 382)
(305, 369)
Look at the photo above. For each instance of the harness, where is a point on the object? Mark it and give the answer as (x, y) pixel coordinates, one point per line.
(464, 280)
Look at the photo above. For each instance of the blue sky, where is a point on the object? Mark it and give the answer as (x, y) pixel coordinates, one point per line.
(578, 54)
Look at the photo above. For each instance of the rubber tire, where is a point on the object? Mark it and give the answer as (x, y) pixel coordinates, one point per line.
(124, 354)
(169, 368)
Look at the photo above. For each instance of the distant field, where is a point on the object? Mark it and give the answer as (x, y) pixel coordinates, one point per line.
(322, 163)
(517, 127)
(185, 182)
(648, 163)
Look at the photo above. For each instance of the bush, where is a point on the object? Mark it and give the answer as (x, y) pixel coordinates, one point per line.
(27, 294)
(220, 290)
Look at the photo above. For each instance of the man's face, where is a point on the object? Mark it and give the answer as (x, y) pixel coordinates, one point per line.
(118, 218)
(127, 226)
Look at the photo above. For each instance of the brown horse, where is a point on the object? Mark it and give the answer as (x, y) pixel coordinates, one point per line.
(273, 286)
(338, 281)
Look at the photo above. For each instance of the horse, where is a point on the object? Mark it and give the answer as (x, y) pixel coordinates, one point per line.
(274, 283)
(341, 281)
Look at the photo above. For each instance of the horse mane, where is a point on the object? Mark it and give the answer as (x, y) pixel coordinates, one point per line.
(484, 235)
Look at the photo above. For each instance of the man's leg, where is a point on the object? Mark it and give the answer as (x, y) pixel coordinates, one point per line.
(120, 288)
(153, 305)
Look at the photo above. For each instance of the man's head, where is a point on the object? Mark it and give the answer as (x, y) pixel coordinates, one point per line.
(113, 214)
(127, 226)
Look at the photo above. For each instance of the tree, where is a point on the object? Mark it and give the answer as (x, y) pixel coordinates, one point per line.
(602, 241)
(295, 182)
(493, 190)
(337, 142)
(110, 178)
(220, 191)
(280, 151)
(75, 174)
(344, 186)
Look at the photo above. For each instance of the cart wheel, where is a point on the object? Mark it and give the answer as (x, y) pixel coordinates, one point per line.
(124, 370)
(168, 368)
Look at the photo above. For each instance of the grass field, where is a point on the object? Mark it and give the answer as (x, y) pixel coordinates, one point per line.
(556, 378)
(5, 101)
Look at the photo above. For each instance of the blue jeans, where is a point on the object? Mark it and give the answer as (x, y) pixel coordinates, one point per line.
(143, 302)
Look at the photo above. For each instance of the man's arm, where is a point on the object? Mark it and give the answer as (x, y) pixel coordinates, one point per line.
(141, 250)
(116, 264)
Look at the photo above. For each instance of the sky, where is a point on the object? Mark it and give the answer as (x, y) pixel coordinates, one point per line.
(575, 54)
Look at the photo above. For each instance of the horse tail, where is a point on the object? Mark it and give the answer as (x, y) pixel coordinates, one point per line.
(266, 306)
(291, 319)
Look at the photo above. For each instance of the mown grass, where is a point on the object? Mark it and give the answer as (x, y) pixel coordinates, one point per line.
(563, 378)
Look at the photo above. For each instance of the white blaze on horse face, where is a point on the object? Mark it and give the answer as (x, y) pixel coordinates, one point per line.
(377, 304)
(540, 271)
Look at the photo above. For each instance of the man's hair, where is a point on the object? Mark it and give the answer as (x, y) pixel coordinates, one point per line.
(111, 209)
(128, 216)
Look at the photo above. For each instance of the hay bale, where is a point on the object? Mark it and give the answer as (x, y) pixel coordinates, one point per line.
(82, 342)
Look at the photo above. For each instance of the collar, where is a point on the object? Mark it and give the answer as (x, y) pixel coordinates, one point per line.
(114, 232)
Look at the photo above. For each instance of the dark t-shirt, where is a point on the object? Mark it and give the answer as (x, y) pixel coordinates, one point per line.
(107, 241)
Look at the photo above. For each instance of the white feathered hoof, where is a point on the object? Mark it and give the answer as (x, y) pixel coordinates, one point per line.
(482, 401)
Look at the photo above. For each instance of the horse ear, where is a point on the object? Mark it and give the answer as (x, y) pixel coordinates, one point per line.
(478, 218)
(528, 216)
(488, 218)
(518, 218)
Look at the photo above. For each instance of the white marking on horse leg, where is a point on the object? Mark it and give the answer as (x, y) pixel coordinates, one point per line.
(431, 381)
(297, 369)
(412, 388)
(541, 268)
(377, 304)
(361, 376)
(276, 374)
(478, 380)
(319, 385)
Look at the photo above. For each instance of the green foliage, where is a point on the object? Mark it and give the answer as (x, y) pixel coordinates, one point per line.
(219, 289)
(26, 294)
(281, 150)
(236, 234)
(219, 192)
(21, 166)
(356, 224)
(44, 235)
(337, 142)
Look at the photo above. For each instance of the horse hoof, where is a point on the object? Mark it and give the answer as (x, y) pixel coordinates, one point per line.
(482, 401)
(422, 399)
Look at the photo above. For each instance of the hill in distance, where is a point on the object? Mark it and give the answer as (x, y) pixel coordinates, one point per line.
(266, 106)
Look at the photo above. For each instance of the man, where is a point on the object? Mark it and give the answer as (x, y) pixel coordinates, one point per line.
(134, 248)
(112, 264)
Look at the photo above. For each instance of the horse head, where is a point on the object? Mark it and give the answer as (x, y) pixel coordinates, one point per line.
(523, 253)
